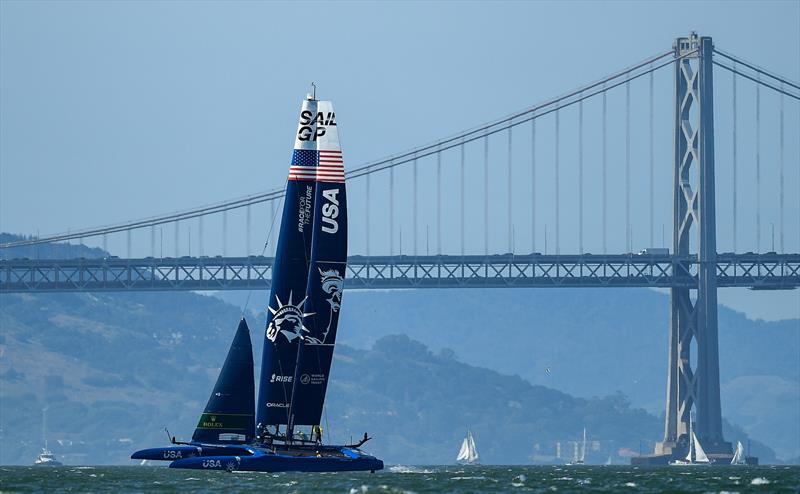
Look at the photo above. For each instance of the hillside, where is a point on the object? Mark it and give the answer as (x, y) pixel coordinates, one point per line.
(590, 342)
(115, 368)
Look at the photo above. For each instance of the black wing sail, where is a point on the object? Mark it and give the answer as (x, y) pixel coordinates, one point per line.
(285, 311)
(325, 277)
(229, 415)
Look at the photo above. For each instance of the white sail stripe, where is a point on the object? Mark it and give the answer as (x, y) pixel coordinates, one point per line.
(326, 167)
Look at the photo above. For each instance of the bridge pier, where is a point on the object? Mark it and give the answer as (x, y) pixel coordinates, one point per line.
(693, 311)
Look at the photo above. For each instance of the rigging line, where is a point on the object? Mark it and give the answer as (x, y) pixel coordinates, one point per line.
(360, 171)
(758, 81)
(755, 67)
(263, 250)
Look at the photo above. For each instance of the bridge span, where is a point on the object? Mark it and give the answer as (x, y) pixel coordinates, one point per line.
(757, 271)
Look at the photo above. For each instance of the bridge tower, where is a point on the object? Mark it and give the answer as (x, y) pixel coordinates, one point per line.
(693, 311)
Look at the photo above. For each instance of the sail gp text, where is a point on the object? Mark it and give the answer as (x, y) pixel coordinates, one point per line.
(306, 132)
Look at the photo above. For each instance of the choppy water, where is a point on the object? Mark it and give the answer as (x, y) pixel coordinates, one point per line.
(402, 479)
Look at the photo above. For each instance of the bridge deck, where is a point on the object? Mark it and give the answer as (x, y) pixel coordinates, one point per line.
(758, 271)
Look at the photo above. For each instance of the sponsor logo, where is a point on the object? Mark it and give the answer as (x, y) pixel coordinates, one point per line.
(172, 455)
(277, 405)
(212, 464)
(330, 211)
(287, 320)
(304, 209)
(308, 119)
(211, 423)
(281, 379)
(312, 378)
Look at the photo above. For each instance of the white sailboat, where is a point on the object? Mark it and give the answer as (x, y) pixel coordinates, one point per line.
(738, 456)
(696, 455)
(579, 459)
(468, 454)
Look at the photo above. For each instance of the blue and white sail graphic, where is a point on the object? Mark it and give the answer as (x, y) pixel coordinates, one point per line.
(286, 312)
(325, 278)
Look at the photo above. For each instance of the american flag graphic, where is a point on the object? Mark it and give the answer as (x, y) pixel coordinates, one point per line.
(320, 166)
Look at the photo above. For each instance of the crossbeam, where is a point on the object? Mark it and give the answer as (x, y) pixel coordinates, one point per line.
(758, 271)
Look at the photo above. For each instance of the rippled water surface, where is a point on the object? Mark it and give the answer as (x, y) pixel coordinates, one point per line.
(398, 478)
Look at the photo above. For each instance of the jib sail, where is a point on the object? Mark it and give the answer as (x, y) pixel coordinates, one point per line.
(287, 313)
(325, 277)
(229, 413)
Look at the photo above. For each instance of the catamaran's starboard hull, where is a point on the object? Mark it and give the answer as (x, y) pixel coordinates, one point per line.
(254, 459)
(274, 462)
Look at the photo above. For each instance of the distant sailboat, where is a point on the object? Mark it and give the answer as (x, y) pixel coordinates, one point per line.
(46, 457)
(579, 459)
(696, 455)
(738, 456)
(468, 454)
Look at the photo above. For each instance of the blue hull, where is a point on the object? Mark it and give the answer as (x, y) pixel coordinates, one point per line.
(253, 459)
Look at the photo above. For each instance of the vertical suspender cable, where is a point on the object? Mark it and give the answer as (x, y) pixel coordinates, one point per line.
(247, 226)
(439, 202)
(735, 185)
(128, 236)
(533, 184)
(780, 244)
(461, 197)
(628, 241)
(605, 169)
(391, 210)
(105, 243)
(558, 197)
(486, 194)
(225, 233)
(510, 222)
(272, 215)
(200, 235)
(580, 176)
(177, 240)
(366, 214)
(414, 222)
(758, 166)
(652, 165)
(152, 240)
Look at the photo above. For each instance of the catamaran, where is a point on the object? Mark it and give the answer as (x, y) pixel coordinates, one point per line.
(696, 455)
(281, 430)
(468, 454)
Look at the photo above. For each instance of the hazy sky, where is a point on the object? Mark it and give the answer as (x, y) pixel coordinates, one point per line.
(122, 110)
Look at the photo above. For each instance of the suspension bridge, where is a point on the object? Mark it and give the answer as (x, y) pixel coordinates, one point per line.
(495, 206)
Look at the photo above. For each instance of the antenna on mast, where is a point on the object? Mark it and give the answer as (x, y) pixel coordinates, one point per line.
(313, 94)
